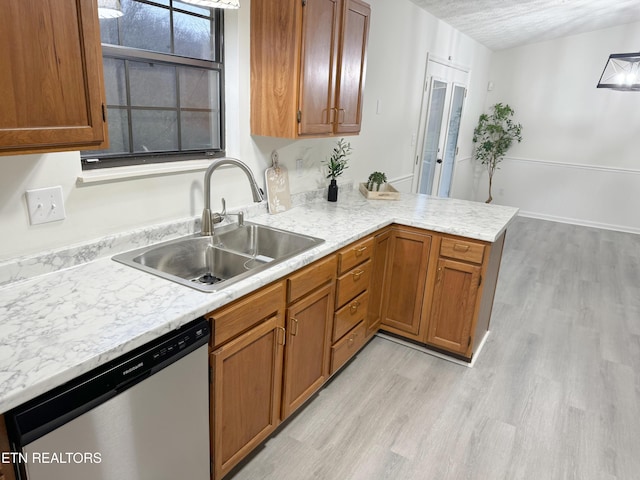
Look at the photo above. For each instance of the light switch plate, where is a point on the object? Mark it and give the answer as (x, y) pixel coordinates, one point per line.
(45, 205)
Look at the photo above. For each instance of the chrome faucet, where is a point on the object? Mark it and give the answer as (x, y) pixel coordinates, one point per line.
(207, 219)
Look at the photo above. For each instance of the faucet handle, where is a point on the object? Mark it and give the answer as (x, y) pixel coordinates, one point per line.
(217, 217)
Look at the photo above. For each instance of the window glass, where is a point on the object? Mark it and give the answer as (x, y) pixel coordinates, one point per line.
(163, 76)
(152, 85)
(192, 36)
(154, 130)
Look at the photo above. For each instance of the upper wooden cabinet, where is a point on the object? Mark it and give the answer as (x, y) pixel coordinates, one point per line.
(50, 76)
(308, 62)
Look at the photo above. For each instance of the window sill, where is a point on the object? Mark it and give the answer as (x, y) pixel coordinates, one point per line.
(134, 172)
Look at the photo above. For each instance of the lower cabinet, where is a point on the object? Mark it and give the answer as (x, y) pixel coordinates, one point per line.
(404, 282)
(355, 267)
(454, 305)
(6, 469)
(438, 289)
(271, 350)
(306, 365)
(459, 311)
(246, 376)
(382, 240)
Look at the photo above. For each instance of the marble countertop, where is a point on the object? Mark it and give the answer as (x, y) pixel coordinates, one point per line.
(56, 326)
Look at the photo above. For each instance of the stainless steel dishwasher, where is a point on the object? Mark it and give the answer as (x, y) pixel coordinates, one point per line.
(143, 416)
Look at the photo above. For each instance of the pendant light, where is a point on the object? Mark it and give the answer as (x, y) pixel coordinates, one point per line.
(214, 3)
(622, 72)
(109, 9)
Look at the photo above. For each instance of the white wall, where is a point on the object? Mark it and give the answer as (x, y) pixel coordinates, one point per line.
(400, 37)
(578, 161)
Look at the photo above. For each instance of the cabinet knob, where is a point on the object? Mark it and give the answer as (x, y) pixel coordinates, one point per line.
(354, 307)
(357, 274)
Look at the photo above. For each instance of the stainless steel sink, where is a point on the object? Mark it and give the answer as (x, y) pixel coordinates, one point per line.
(210, 263)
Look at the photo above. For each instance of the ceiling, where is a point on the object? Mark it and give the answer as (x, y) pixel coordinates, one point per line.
(501, 24)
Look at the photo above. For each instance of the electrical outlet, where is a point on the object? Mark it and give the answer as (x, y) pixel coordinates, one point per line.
(45, 205)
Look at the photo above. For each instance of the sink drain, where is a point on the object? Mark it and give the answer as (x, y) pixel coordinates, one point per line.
(207, 279)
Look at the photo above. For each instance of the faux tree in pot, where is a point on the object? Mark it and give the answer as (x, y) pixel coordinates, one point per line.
(336, 164)
(493, 136)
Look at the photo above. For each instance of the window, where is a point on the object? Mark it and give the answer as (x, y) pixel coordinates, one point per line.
(164, 76)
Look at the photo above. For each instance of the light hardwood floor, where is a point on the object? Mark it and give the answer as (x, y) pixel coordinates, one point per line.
(555, 394)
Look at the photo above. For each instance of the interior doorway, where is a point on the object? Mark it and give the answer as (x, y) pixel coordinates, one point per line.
(442, 109)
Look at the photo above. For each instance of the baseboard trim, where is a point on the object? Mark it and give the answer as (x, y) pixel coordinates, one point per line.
(581, 223)
(433, 353)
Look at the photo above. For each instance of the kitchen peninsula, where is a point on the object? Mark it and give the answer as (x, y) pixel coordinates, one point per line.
(57, 326)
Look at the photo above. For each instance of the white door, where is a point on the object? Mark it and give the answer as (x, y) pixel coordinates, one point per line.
(442, 108)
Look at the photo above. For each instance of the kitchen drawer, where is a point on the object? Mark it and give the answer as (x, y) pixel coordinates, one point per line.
(230, 321)
(350, 315)
(346, 348)
(354, 254)
(311, 277)
(353, 283)
(462, 250)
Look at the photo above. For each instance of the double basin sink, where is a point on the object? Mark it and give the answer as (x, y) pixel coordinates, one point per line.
(210, 263)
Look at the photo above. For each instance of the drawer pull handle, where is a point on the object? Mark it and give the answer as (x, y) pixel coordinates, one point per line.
(354, 307)
(360, 251)
(294, 332)
(357, 274)
(458, 247)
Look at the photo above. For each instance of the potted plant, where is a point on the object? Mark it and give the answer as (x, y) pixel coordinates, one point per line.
(376, 179)
(336, 164)
(493, 136)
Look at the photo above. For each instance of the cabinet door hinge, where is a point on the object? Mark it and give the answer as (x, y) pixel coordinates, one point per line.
(469, 342)
(299, 116)
(480, 280)
(104, 114)
(304, 3)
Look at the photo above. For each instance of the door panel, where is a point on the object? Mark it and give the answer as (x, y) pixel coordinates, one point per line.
(454, 302)
(432, 137)
(307, 348)
(320, 34)
(352, 67)
(451, 143)
(247, 380)
(442, 110)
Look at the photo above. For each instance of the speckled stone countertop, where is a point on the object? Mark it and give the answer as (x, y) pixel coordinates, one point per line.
(56, 326)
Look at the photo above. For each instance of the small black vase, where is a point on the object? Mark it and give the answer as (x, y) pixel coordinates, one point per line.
(332, 196)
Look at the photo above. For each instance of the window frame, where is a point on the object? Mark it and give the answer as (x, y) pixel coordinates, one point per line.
(91, 160)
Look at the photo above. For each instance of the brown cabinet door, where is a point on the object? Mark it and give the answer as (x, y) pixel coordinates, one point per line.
(376, 288)
(318, 66)
(352, 66)
(454, 305)
(245, 392)
(50, 76)
(6, 469)
(405, 282)
(308, 347)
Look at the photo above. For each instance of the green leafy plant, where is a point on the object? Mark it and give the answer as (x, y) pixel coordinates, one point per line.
(493, 136)
(337, 163)
(376, 179)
